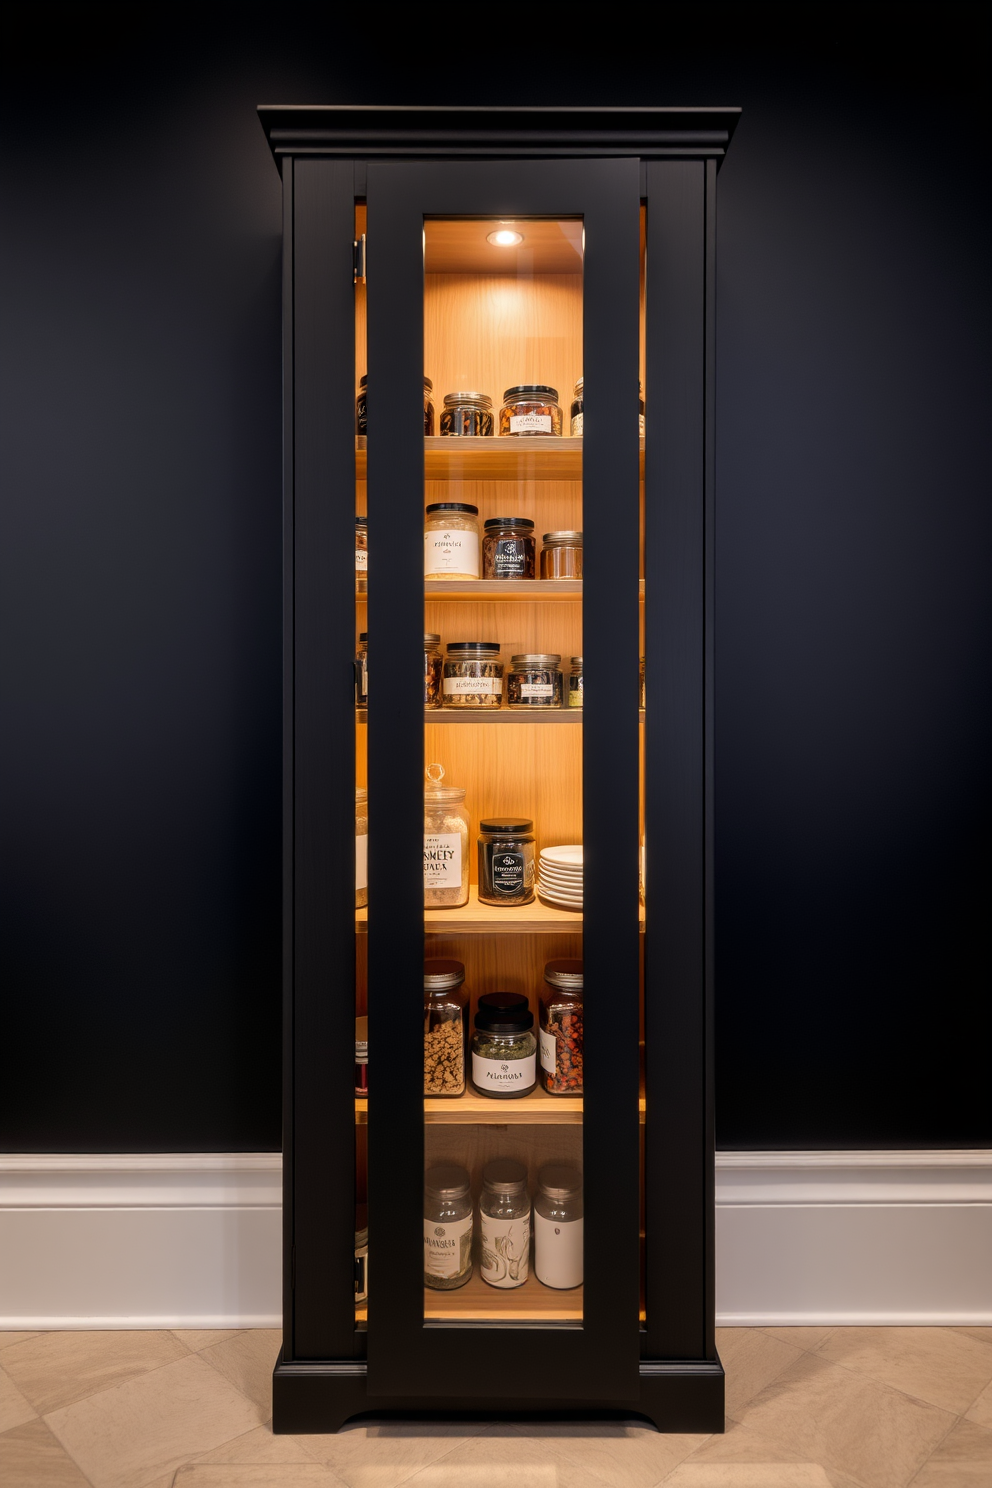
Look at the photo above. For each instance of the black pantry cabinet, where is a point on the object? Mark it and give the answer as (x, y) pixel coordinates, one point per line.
(450, 274)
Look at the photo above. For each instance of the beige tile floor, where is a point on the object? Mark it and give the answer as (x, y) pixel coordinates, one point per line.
(807, 1408)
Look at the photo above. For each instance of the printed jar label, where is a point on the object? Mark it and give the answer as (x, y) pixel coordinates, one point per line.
(505, 1250)
(443, 860)
(508, 873)
(536, 690)
(549, 1051)
(504, 1074)
(558, 1251)
(361, 560)
(447, 1247)
(362, 861)
(460, 686)
(451, 552)
(509, 559)
(530, 423)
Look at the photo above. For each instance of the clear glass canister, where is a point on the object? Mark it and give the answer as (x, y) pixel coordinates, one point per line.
(445, 1027)
(432, 671)
(508, 548)
(361, 554)
(575, 683)
(558, 1226)
(446, 829)
(561, 556)
(451, 540)
(576, 410)
(531, 408)
(561, 1028)
(535, 681)
(504, 1049)
(504, 1220)
(506, 861)
(473, 675)
(467, 414)
(362, 671)
(362, 406)
(361, 847)
(362, 1055)
(447, 1227)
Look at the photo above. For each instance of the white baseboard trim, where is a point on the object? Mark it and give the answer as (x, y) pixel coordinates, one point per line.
(193, 1240)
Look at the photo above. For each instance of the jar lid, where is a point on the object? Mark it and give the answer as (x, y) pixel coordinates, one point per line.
(504, 1175)
(361, 521)
(452, 400)
(503, 1012)
(360, 795)
(556, 539)
(578, 386)
(509, 522)
(564, 975)
(558, 1180)
(471, 648)
(435, 792)
(440, 975)
(363, 381)
(431, 641)
(455, 506)
(428, 384)
(446, 1181)
(362, 1239)
(535, 659)
(525, 388)
(508, 826)
(577, 661)
(362, 1039)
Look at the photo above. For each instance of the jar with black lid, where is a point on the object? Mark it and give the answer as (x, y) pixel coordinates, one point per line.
(467, 414)
(530, 409)
(506, 861)
(504, 1050)
(445, 1027)
(561, 556)
(361, 406)
(508, 548)
(535, 681)
(575, 683)
(432, 670)
(473, 675)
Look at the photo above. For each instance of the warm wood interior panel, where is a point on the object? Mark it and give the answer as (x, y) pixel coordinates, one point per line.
(516, 626)
(459, 246)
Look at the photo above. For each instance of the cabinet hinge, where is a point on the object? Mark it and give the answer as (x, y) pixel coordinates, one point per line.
(359, 257)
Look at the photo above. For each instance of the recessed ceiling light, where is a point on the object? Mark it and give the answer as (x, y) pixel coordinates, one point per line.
(504, 237)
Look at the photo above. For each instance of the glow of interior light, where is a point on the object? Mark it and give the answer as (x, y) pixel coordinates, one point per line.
(504, 237)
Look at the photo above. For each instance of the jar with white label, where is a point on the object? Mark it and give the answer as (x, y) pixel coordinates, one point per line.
(506, 861)
(451, 540)
(535, 681)
(447, 1227)
(504, 1222)
(361, 848)
(532, 408)
(558, 1226)
(446, 828)
(361, 554)
(473, 675)
(504, 1049)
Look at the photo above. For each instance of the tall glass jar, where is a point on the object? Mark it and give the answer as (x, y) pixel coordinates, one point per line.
(361, 554)
(467, 414)
(446, 827)
(361, 847)
(447, 1227)
(504, 1220)
(561, 556)
(445, 1027)
(529, 409)
(473, 675)
(561, 1028)
(451, 540)
(506, 861)
(504, 1050)
(558, 1226)
(432, 671)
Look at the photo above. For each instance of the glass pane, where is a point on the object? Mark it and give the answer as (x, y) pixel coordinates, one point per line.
(361, 802)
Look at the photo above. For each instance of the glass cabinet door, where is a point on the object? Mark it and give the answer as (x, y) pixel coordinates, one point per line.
(497, 749)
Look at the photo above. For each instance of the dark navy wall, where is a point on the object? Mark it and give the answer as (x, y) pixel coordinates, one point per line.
(141, 487)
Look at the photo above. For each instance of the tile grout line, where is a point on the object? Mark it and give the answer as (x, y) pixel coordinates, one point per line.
(956, 1422)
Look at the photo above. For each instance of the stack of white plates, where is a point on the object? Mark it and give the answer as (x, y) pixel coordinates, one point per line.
(560, 876)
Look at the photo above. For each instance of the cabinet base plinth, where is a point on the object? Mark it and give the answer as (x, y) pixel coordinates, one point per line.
(674, 1396)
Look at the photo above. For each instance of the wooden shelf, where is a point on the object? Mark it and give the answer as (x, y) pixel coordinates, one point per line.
(493, 459)
(474, 918)
(508, 591)
(488, 716)
(470, 1109)
(476, 1301)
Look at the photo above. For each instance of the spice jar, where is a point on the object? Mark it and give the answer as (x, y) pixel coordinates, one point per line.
(467, 414)
(532, 408)
(561, 1028)
(558, 1226)
(535, 681)
(362, 671)
(361, 554)
(445, 1027)
(575, 420)
(575, 683)
(362, 1055)
(451, 540)
(504, 1219)
(447, 1227)
(362, 1256)
(432, 671)
(361, 847)
(508, 548)
(506, 861)
(445, 842)
(504, 1050)
(361, 406)
(473, 675)
(561, 556)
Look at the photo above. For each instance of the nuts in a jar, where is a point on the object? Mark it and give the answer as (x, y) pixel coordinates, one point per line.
(444, 1059)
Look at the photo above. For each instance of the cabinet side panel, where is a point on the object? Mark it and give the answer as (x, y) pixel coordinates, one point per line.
(288, 674)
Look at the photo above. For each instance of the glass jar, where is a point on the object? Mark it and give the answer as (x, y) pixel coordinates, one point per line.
(640, 410)
(362, 1257)
(361, 847)
(504, 1050)
(362, 671)
(445, 843)
(558, 1226)
(467, 414)
(362, 1055)
(575, 412)
(504, 1220)
(473, 675)
(535, 681)
(362, 412)
(508, 548)
(432, 671)
(642, 681)
(447, 1227)
(561, 556)
(506, 861)
(561, 1028)
(575, 683)
(451, 540)
(445, 1027)
(361, 554)
(532, 408)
